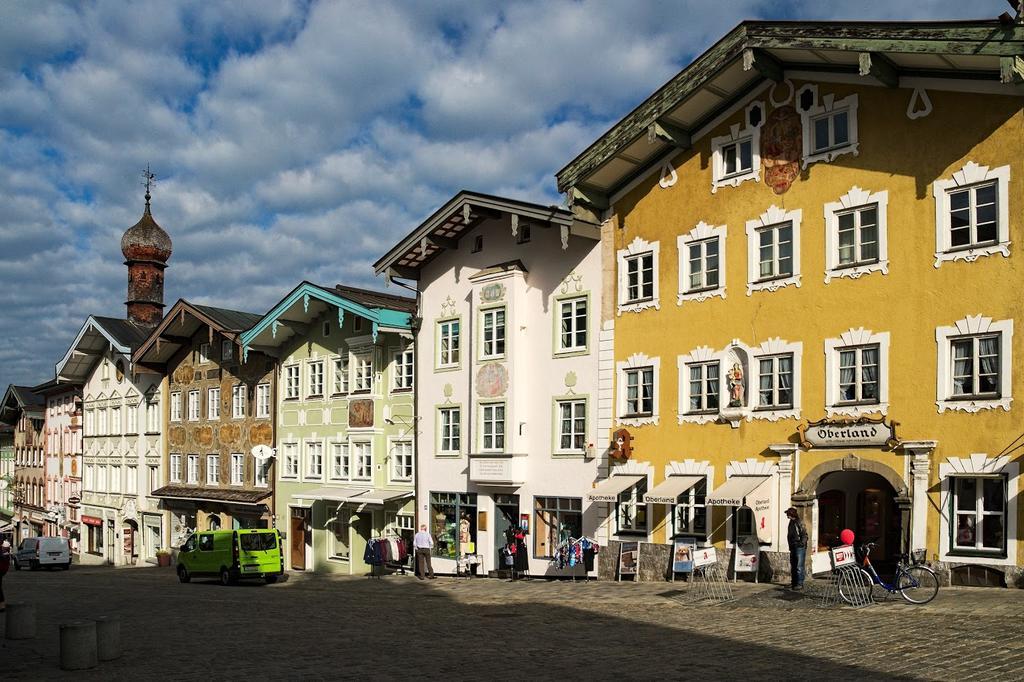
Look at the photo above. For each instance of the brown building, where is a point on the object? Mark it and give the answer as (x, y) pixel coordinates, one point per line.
(219, 407)
(25, 410)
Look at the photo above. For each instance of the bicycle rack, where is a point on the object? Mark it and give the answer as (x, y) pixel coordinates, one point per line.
(708, 584)
(848, 585)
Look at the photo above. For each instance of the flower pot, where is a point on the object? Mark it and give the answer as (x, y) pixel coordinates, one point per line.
(163, 559)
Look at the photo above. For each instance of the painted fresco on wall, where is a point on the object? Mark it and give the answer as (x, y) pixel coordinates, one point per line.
(360, 413)
(781, 148)
(492, 381)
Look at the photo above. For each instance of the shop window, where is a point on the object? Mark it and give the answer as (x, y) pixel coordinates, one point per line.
(979, 514)
(339, 536)
(972, 214)
(453, 524)
(556, 520)
(448, 343)
(689, 515)
(631, 510)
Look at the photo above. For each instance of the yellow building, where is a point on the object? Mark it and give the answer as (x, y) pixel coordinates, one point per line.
(812, 287)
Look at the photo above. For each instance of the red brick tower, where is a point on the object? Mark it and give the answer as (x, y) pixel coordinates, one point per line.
(146, 248)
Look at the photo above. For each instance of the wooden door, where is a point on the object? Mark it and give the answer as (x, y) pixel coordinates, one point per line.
(298, 539)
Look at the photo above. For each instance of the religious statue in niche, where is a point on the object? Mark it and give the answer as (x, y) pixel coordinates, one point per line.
(781, 148)
(735, 377)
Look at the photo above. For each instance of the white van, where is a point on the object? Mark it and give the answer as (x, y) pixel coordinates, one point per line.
(49, 552)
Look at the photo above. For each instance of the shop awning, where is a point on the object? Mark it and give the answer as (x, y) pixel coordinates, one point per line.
(353, 495)
(753, 492)
(6, 528)
(669, 490)
(608, 490)
(381, 496)
(192, 494)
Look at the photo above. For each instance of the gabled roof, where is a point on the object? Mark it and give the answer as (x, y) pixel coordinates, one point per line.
(459, 216)
(306, 302)
(758, 51)
(18, 399)
(181, 322)
(94, 338)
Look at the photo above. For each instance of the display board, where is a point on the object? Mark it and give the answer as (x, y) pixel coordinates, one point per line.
(682, 555)
(747, 551)
(629, 557)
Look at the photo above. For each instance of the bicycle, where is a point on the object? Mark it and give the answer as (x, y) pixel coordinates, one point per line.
(915, 583)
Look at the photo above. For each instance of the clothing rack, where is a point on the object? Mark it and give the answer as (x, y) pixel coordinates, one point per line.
(569, 546)
(377, 568)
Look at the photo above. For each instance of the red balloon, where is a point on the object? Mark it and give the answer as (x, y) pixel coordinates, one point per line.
(846, 537)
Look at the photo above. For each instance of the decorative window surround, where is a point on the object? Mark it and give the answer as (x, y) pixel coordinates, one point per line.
(701, 354)
(635, 248)
(773, 216)
(827, 105)
(854, 338)
(634, 361)
(719, 176)
(944, 371)
(701, 232)
(972, 174)
(980, 465)
(775, 346)
(855, 198)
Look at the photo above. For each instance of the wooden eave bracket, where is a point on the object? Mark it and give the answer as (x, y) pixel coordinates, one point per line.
(595, 200)
(443, 242)
(880, 67)
(666, 132)
(403, 272)
(768, 66)
(1011, 69)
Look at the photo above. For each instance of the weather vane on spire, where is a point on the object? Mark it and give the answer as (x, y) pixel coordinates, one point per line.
(148, 184)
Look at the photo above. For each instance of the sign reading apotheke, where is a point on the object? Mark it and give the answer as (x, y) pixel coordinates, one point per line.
(864, 433)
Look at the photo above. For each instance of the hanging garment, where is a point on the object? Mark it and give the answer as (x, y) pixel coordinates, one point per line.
(522, 558)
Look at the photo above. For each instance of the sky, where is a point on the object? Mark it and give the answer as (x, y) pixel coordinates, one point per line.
(300, 139)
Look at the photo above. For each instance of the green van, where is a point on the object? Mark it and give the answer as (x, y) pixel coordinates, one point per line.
(232, 554)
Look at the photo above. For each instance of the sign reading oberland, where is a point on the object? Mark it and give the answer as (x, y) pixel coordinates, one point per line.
(845, 434)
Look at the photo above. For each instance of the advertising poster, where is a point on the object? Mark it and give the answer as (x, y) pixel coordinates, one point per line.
(629, 556)
(705, 556)
(747, 552)
(682, 555)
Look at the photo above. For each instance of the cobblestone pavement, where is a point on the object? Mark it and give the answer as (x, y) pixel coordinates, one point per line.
(318, 627)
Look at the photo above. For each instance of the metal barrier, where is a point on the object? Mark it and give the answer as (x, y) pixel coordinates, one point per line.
(847, 584)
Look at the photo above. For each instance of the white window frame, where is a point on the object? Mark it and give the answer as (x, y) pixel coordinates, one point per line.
(213, 470)
(263, 401)
(976, 325)
(176, 406)
(701, 355)
(403, 369)
(970, 175)
(192, 473)
(636, 501)
(237, 469)
(637, 361)
(827, 106)
(292, 381)
(193, 406)
(290, 459)
(638, 246)
(854, 200)
(340, 375)
(314, 457)
(444, 330)
(340, 453)
(238, 398)
(204, 354)
(261, 472)
(979, 465)
(574, 404)
(213, 403)
(736, 136)
(573, 347)
(489, 349)
(363, 383)
(856, 338)
(315, 375)
(449, 438)
(362, 460)
(395, 471)
(115, 478)
(115, 421)
(492, 432)
(131, 418)
(773, 217)
(152, 416)
(703, 232)
(341, 518)
(775, 347)
(175, 473)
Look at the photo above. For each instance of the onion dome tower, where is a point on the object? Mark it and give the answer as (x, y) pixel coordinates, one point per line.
(146, 248)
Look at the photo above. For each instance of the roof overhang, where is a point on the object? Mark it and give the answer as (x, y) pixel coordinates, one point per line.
(759, 52)
(459, 216)
(90, 344)
(176, 331)
(294, 313)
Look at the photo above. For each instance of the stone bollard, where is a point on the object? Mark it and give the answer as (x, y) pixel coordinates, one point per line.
(108, 637)
(20, 621)
(78, 645)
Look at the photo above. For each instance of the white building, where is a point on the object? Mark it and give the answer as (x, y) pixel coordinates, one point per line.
(121, 523)
(506, 376)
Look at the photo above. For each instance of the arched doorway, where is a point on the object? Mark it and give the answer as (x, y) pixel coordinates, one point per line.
(864, 502)
(213, 522)
(130, 538)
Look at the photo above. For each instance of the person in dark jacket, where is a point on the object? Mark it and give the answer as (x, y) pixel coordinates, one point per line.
(797, 536)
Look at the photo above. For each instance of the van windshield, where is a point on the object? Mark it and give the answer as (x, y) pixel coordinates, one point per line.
(255, 542)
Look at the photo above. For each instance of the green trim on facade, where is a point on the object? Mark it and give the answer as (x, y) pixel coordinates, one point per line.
(556, 451)
(557, 325)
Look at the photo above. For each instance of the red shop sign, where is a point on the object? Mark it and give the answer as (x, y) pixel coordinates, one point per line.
(91, 520)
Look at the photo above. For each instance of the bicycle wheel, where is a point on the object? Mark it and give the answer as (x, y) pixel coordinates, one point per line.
(918, 584)
(854, 586)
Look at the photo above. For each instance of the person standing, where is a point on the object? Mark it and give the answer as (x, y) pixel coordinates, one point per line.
(5, 565)
(422, 545)
(797, 536)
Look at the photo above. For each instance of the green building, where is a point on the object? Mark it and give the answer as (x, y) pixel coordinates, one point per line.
(344, 426)
(6, 481)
